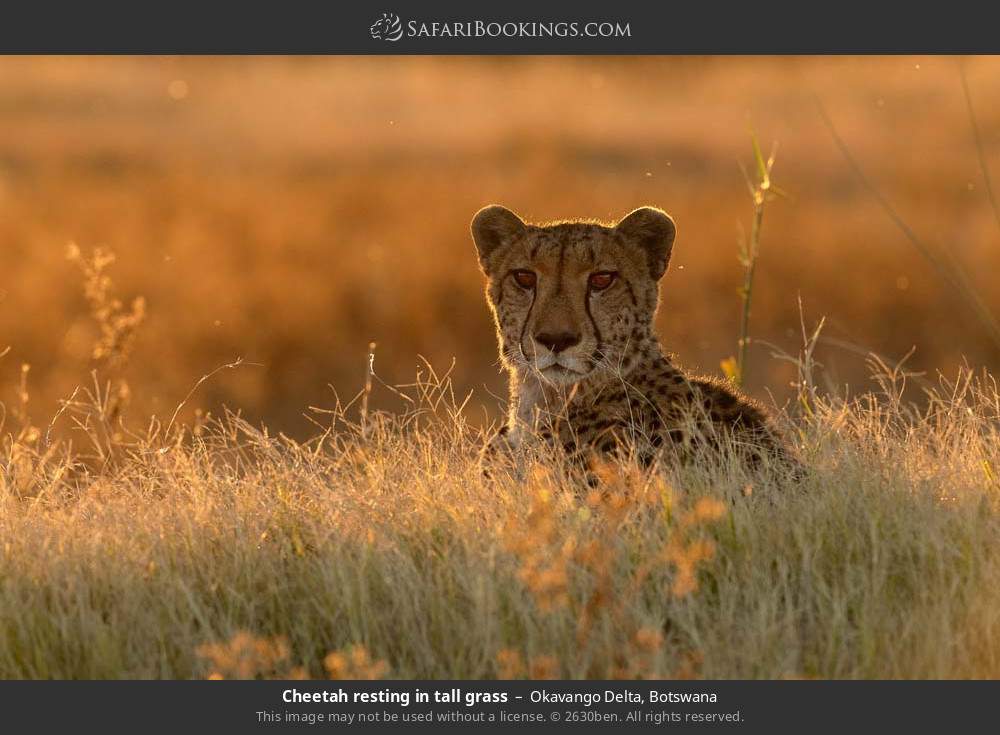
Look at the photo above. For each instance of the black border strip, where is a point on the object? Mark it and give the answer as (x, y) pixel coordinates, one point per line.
(338, 27)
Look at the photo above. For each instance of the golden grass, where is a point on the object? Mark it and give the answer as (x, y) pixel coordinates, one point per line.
(223, 550)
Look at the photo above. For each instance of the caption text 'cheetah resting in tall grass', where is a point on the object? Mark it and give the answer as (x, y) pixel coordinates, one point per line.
(574, 304)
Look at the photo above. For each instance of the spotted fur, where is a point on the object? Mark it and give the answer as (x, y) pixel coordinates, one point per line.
(586, 369)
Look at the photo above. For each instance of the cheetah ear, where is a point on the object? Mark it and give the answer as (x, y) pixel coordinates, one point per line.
(493, 227)
(652, 230)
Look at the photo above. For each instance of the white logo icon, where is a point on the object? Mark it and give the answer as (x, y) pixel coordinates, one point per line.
(387, 28)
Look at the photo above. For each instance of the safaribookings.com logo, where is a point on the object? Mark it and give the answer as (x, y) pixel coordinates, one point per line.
(387, 28)
(390, 28)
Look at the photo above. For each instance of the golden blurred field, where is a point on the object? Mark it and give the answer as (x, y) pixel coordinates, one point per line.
(291, 210)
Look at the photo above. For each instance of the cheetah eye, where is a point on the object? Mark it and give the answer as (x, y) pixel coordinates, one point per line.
(603, 279)
(525, 279)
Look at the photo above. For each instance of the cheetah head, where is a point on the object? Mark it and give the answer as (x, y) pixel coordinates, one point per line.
(570, 298)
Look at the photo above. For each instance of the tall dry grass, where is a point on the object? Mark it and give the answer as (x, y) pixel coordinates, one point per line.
(221, 549)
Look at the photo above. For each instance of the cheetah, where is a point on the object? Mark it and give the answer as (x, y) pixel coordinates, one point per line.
(573, 304)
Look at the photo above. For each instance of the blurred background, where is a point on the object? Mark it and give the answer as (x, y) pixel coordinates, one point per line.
(291, 210)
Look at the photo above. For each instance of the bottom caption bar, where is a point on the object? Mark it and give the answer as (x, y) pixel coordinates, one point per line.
(621, 706)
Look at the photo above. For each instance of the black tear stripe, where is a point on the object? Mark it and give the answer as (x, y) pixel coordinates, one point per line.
(524, 325)
(599, 340)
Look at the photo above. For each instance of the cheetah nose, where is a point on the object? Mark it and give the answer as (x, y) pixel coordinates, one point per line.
(557, 341)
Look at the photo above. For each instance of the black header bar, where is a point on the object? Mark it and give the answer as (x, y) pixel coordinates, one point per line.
(508, 27)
